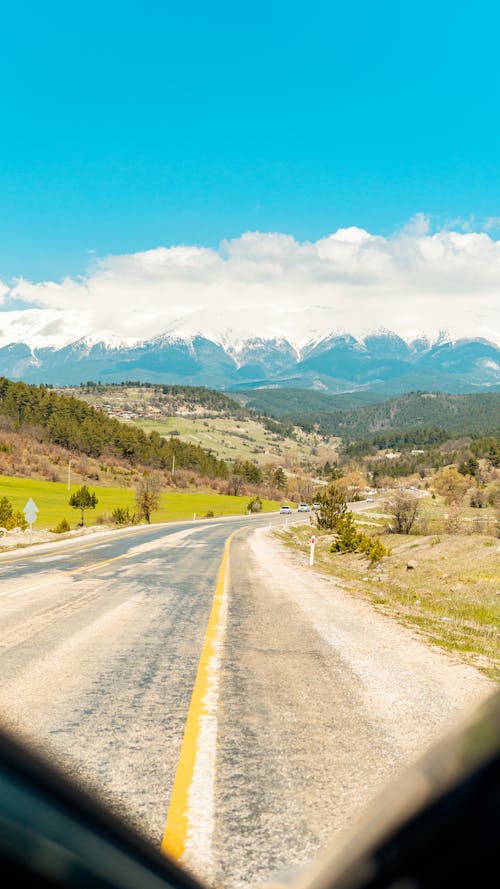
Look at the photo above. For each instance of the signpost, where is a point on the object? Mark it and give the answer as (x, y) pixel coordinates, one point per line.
(30, 514)
(311, 555)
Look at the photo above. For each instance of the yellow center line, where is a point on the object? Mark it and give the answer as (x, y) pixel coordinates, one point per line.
(177, 825)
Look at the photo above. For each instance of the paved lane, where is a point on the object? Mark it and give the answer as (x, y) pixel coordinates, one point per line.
(99, 650)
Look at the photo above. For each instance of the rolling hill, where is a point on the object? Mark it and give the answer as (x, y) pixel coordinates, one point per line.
(476, 414)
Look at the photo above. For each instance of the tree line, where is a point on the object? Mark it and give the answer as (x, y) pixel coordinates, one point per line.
(77, 426)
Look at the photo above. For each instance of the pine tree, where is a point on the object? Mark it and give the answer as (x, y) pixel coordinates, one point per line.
(83, 499)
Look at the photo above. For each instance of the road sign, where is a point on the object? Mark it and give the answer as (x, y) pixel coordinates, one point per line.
(30, 513)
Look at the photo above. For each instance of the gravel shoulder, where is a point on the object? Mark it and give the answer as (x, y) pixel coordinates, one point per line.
(324, 702)
(415, 691)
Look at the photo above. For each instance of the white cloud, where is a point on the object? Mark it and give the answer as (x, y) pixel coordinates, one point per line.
(269, 284)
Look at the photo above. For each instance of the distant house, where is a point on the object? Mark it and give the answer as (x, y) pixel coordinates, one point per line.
(416, 452)
(393, 455)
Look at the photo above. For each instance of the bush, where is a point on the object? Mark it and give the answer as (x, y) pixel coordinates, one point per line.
(478, 498)
(122, 516)
(103, 519)
(254, 505)
(9, 518)
(377, 551)
(61, 528)
(209, 514)
(350, 540)
(404, 507)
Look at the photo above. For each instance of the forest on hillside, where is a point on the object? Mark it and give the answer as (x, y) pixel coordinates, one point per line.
(77, 426)
(475, 415)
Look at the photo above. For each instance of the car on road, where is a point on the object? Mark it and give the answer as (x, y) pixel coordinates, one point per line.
(316, 506)
(286, 510)
(303, 507)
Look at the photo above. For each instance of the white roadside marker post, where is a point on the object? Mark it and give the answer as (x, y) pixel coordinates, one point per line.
(30, 513)
(311, 554)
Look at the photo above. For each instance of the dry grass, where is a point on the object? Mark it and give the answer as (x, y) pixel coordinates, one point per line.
(452, 596)
(245, 439)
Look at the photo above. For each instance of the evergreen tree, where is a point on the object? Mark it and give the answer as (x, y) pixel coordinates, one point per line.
(332, 508)
(83, 499)
(279, 479)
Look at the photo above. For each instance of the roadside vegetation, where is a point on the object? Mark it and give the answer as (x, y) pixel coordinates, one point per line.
(444, 587)
(52, 499)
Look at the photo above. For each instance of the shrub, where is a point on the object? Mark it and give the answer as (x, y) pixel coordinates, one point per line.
(377, 551)
(9, 518)
(103, 519)
(122, 516)
(61, 528)
(350, 540)
(404, 508)
(478, 498)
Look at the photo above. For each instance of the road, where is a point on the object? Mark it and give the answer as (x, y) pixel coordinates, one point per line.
(211, 699)
(100, 646)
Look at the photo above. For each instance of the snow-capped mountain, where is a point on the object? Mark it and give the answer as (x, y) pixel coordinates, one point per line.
(338, 362)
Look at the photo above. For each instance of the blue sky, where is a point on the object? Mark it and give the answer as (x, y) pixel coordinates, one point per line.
(132, 125)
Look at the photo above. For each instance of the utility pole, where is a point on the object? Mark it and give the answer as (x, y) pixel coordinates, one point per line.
(173, 465)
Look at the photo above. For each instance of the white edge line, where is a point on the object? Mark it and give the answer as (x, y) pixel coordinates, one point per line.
(201, 795)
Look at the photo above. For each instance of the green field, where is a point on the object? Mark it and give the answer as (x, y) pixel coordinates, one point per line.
(52, 501)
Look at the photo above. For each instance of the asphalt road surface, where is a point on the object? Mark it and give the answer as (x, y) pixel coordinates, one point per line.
(186, 682)
(100, 646)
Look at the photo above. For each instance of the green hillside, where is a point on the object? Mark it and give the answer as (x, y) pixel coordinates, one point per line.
(77, 426)
(286, 404)
(221, 426)
(476, 414)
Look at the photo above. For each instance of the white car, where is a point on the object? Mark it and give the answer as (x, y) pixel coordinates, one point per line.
(286, 510)
(303, 507)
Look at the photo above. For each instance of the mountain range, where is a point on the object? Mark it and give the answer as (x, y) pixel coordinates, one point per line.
(382, 362)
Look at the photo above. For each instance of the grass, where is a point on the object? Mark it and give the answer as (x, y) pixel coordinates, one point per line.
(52, 501)
(243, 439)
(229, 438)
(433, 516)
(452, 597)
